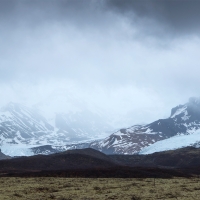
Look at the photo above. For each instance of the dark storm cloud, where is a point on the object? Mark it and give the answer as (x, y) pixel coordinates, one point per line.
(38, 12)
(135, 52)
(30, 29)
(172, 16)
(178, 16)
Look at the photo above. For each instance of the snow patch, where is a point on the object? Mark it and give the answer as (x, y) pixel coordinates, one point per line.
(17, 150)
(179, 111)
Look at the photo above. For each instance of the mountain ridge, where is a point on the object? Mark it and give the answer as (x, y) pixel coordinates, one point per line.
(182, 125)
(25, 128)
(184, 120)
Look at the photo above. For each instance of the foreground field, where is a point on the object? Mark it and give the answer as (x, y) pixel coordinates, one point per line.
(103, 188)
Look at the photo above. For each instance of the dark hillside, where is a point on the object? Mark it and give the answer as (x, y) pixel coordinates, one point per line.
(91, 163)
(76, 159)
(188, 157)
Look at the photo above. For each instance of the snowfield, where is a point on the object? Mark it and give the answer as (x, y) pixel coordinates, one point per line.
(172, 143)
(17, 150)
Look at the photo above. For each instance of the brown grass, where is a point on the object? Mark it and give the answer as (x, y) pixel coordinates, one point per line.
(102, 188)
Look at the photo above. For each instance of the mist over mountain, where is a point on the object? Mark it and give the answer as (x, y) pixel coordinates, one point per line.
(132, 58)
(80, 72)
(23, 128)
(25, 131)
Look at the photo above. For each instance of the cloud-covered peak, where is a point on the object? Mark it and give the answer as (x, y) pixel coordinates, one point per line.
(135, 58)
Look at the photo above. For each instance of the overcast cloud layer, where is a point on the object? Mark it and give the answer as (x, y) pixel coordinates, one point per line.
(136, 58)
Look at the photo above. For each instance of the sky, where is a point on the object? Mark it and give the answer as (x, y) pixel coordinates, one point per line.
(133, 59)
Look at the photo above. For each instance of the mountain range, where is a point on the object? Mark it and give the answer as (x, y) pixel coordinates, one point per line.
(181, 128)
(25, 131)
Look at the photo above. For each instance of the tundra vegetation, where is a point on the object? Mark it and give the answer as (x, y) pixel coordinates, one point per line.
(44, 188)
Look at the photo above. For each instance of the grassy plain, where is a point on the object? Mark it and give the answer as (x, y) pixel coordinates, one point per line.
(98, 188)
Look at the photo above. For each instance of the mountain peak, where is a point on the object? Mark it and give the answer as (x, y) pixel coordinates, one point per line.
(184, 121)
(191, 108)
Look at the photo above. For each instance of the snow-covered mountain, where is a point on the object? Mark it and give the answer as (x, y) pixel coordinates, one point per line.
(80, 126)
(184, 120)
(20, 124)
(25, 131)
(77, 118)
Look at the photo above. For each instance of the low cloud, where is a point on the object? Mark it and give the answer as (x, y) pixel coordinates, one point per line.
(134, 58)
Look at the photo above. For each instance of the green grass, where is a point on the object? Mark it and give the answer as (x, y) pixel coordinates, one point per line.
(102, 188)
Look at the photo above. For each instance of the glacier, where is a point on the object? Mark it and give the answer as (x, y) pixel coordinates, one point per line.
(172, 143)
